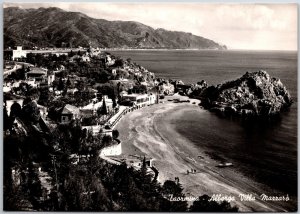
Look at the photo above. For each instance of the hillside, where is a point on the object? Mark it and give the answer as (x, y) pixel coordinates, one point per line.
(54, 27)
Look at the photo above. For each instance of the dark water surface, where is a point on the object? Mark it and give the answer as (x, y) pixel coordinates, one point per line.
(266, 152)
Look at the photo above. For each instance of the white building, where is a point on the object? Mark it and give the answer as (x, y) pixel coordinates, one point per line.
(19, 53)
(140, 100)
(85, 58)
(91, 108)
(51, 78)
(152, 99)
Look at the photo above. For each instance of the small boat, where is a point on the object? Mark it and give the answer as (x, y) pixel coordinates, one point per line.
(221, 165)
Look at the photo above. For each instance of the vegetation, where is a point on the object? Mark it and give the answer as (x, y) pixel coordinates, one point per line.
(83, 30)
(58, 168)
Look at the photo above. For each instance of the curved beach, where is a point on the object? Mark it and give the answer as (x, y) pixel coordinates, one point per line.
(150, 131)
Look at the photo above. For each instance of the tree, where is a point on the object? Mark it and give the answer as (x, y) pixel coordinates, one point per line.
(33, 185)
(103, 108)
(31, 112)
(173, 189)
(114, 101)
(15, 110)
(6, 120)
(119, 62)
(61, 85)
(204, 204)
(44, 97)
(71, 53)
(115, 134)
(106, 141)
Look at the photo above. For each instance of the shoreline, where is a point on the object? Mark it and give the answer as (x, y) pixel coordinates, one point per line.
(149, 131)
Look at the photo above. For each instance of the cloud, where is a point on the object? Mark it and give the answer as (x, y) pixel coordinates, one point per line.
(251, 26)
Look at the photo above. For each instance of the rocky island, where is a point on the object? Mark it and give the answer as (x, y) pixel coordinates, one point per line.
(254, 95)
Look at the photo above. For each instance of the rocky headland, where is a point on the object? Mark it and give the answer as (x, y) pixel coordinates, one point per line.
(254, 95)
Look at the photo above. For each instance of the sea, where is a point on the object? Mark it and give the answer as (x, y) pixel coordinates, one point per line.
(263, 151)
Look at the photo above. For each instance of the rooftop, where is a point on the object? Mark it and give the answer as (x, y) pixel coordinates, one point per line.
(35, 70)
(69, 109)
(135, 95)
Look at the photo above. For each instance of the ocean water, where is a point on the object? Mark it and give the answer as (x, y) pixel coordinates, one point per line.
(265, 152)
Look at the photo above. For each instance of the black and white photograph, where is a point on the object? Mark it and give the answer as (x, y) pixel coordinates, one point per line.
(150, 107)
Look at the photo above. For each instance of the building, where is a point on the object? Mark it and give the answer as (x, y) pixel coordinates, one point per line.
(85, 58)
(137, 161)
(37, 75)
(94, 51)
(139, 100)
(69, 113)
(51, 78)
(152, 99)
(19, 53)
(115, 149)
(91, 108)
(109, 60)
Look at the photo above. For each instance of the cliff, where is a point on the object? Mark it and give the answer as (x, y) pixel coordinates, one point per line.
(255, 94)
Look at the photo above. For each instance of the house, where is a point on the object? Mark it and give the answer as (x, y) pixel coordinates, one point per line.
(32, 83)
(19, 53)
(85, 58)
(69, 113)
(91, 108)
(94, 51)
(109, 60)
(37, 75)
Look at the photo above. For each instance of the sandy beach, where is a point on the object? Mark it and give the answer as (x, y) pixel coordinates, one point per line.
(150, 131)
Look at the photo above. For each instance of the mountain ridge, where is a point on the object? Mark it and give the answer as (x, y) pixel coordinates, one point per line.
(54, 27)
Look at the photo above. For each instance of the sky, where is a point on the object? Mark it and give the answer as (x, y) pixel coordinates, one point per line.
(238, 26)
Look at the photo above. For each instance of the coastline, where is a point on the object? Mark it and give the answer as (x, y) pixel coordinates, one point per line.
(149, 131)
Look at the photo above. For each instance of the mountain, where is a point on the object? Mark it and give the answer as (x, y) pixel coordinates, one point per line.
(54, 27)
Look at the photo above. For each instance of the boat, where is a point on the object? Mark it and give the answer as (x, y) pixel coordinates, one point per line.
(221, 165)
